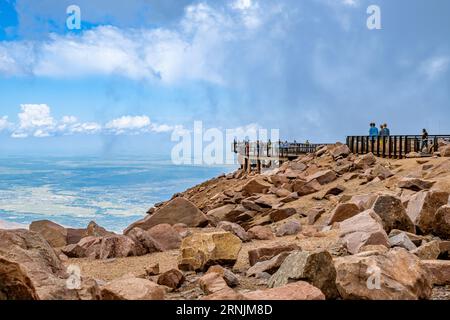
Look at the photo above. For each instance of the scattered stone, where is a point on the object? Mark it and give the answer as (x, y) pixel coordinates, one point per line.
(75, 235)
(294, 291)
(428, 251)
(343, 211)
(364, 201)
(219, 214)
(417, 240)
(201, 250)
(261, 233)
(291, 197)
(132, 289)
(152, 270)
(288, 228)
(53, 233)
(267, 266)
(442, 222)
(117, 246)
(361, 230)
(94, 230)
(439, 270)
(230, 278)
(394, 275)
(337, 190)
(315, 267)
(234, 228)
(340, 151)
(173, 279)
(144, 242)
(256, 185)
(392, 213)
(323, 177)
(365, 161)
(415, 184)
(403, 241)
(177, 210)
(267, 253)
(422, 209)
(304, 188)
(381, 172)
(281, 214)
(166, 236)
(224, 295)
(377, 248)
(73, 251)
(314, 215)
(212, 282)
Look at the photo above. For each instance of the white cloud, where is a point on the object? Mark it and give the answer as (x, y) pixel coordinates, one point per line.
(350, 3)
(129, 123)
(435, 66)
(196, 49)
(36, 120)
(4, 123)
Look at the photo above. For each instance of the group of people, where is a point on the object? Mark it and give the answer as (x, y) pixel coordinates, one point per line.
(385, 132)
(382, 132)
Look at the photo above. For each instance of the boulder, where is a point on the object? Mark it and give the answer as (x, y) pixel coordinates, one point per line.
(256, 185)
(303, 188)
(294, 291)
(201, 250)
(94, 230)
(315, 267)
(439, 270)
(365, 161)
(144, 242)
(392, 213)
(173, 279)
(422, 209)
(314, 214)
(224, 295)
(117, 246)
(343, 211)
(130, 288)
(267, 253)
(281, 214)
(444, 151)
(261, 233)
(75, 235)
(417, 240)
(270, 266)
(230, 278)
(403, 241)
(218, 214)
(53, 233)
(73, 251)
(381, 172)
(235, 229)
(415, 184)
(340, 151)
(91, 247)
(428, 251)
(30, 269)
(442, 222)
(166, 236)
(394, 275)
(363, 201)
(363, 229)
(288, 228)
(177, 210)
(212, 282)
(323, 177)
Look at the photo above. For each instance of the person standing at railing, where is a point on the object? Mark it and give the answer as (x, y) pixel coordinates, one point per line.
(387, 132)
(373, 131)
(424, 140)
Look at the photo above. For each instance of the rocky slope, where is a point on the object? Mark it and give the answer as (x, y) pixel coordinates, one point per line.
(329, 225)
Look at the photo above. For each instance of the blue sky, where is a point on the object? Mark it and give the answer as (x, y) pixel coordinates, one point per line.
(140, 69)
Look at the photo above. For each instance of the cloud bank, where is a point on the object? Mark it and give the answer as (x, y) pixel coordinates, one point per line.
(36, 120)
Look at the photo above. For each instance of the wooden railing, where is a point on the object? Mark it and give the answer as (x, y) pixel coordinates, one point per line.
(394, 146)
(274, 149)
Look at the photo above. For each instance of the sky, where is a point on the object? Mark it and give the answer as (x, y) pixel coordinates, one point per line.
(139, 71)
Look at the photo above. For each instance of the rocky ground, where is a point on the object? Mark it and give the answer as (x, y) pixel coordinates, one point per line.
(329, 225)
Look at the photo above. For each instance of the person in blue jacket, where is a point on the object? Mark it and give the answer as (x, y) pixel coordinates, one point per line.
(373, 131)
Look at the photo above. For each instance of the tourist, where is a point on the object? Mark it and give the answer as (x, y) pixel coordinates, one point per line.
(373, 131)
(424, 140)
(387, 132)
(382, 132)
